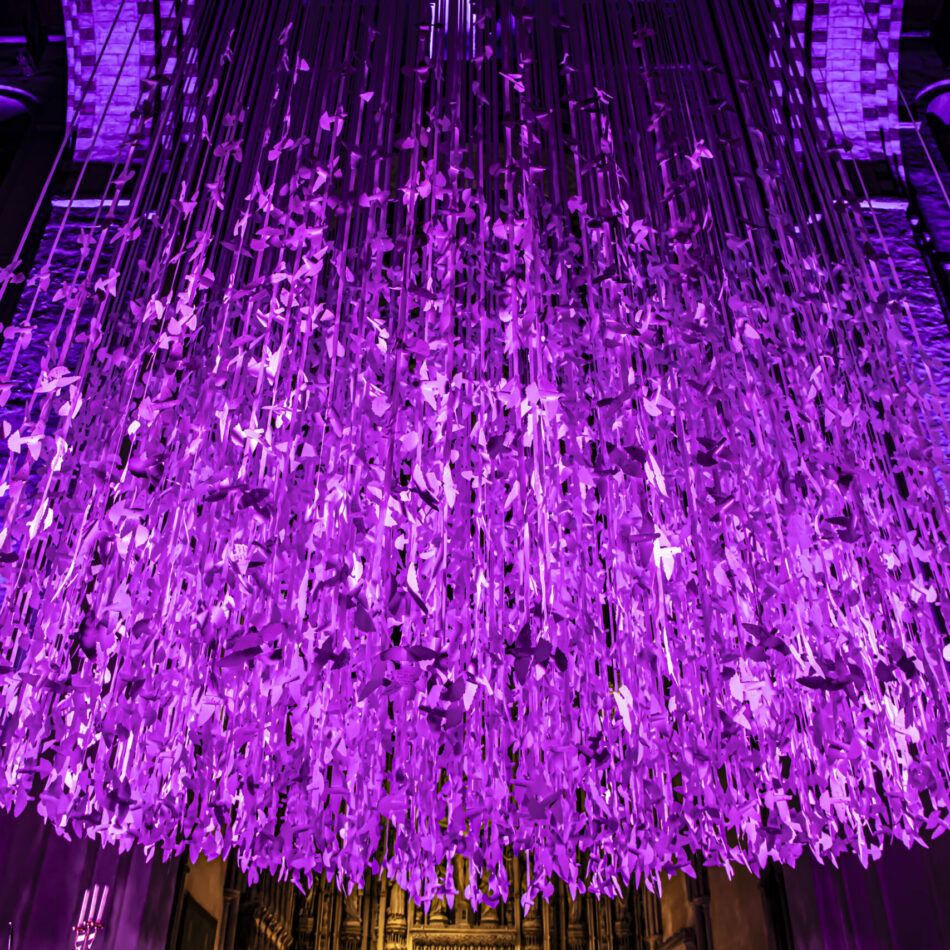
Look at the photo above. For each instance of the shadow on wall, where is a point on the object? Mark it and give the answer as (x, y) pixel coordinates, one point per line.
(32, 126)
(46, 881)
(941, 33)
(897, 903)
(14, 124)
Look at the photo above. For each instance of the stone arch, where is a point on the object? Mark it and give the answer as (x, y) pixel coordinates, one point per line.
(851, 47)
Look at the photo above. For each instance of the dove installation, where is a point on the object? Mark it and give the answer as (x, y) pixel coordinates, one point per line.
(487, 430)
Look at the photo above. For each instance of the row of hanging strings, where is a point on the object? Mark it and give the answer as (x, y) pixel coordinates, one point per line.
(209, 141)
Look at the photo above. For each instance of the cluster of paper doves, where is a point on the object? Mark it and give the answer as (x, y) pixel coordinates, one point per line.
(478, 436)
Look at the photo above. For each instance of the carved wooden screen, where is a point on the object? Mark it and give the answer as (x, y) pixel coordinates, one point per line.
(380, 917)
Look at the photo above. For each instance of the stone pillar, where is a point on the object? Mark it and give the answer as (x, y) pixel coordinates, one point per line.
(326, 916)
(697, 893)
(651, 917)
(576, 922)
(351, 927)
(396, 925)
(227, 932)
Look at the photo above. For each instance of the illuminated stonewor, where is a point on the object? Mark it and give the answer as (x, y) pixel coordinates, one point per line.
(492, 434)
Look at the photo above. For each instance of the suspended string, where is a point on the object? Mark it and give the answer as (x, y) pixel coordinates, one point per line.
(9, 274)
(920, 360)
(895, 78)
(931, 390)
(23, 330)
(483, 440)
(117, 177)
(23, 319)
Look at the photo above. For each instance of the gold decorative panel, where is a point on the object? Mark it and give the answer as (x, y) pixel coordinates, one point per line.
(380, 917)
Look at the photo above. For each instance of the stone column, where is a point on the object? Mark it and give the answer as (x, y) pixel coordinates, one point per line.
(351, 926)
(396, 926)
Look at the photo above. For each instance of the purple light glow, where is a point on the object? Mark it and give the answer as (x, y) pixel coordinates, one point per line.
(513, 450)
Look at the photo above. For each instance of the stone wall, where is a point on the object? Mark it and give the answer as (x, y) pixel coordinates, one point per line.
(851, 48)
(115, 49)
